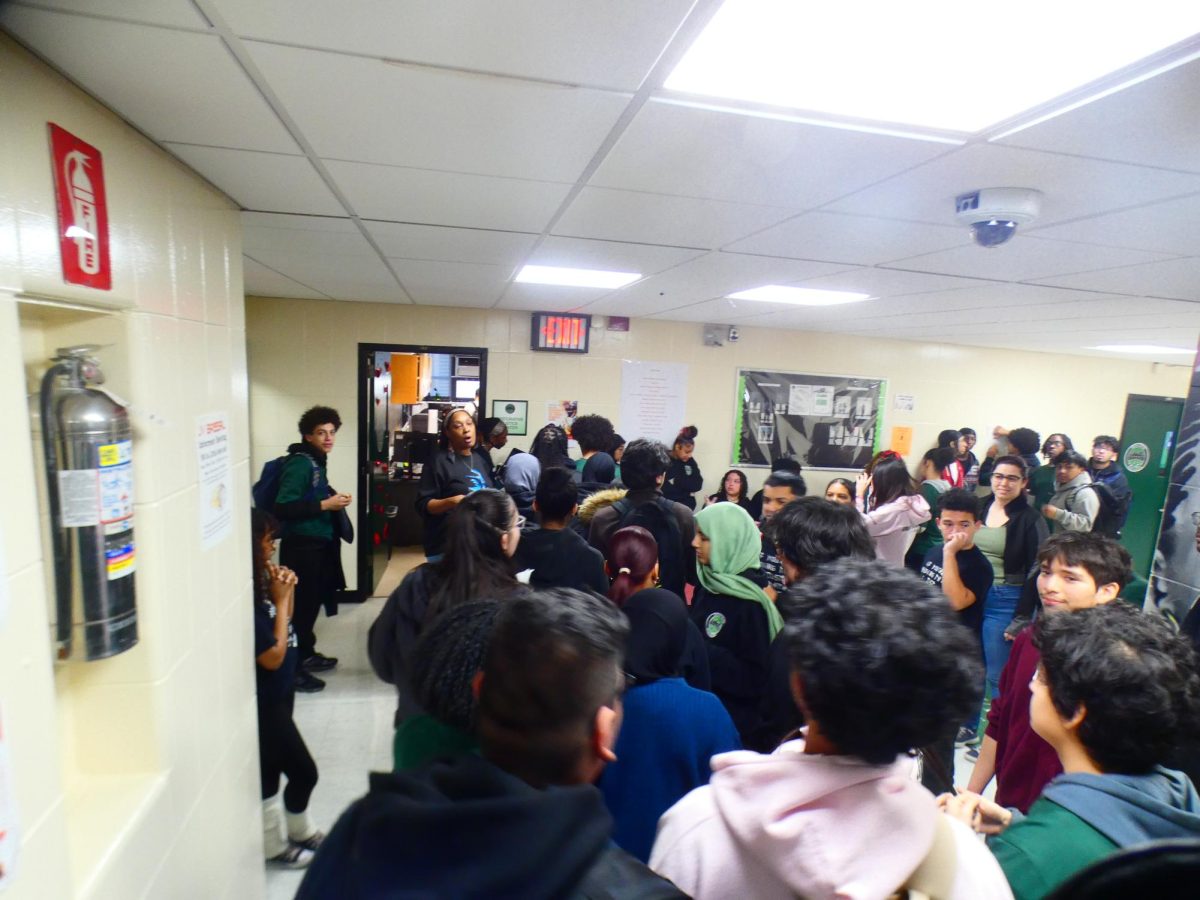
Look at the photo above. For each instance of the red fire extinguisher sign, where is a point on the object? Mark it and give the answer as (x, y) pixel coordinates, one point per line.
(82, 210)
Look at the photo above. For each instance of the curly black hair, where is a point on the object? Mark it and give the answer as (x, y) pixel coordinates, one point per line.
(316, 416)
(1025, 440)
(883, 663)
(593, 432)
(811, 531)
(1132, 673)
(448, 654)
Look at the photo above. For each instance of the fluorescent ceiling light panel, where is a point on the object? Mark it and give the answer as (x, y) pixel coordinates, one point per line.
(566, 277)
(778, 293)
(939, 64)
(1142, 348)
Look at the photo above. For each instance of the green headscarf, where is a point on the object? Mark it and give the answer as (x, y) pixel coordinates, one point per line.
(735, 546)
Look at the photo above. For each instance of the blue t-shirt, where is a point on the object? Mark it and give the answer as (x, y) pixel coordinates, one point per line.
(669, 733)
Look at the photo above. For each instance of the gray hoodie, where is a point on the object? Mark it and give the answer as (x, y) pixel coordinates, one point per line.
(1077, 504)
(1131, 809)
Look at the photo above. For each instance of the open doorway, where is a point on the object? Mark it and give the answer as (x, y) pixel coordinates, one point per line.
(405, 392)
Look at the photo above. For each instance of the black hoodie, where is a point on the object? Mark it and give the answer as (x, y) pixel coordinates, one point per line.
(560, 559)
(463, 828)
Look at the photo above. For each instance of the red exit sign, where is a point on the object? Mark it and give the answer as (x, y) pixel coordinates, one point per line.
(562, 332)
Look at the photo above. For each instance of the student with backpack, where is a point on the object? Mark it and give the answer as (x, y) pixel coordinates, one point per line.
(643, 468)
(296, 490)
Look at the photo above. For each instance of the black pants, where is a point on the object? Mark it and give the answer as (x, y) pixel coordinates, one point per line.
(318, 569)
(281, 751)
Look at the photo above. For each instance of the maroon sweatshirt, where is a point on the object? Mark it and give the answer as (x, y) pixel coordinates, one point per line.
(1024, 762)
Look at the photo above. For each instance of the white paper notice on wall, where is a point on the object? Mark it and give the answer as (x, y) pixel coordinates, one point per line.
(904, 402)
(79, 497)
(215, 488)
(653, 400)
(810, 400)
(10, 838)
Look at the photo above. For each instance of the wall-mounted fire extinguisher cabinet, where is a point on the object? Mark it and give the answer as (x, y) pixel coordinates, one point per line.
(88, 446)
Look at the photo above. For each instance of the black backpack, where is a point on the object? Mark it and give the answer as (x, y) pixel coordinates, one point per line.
(1113, 509)
(658, 518)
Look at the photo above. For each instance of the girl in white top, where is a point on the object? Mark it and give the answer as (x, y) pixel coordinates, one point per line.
(892, 508)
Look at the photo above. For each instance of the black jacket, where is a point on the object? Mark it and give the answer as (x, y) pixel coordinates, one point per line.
(682, 482)
(447, 474)
(560, 559)
(737, 638)
(462, 828)
(394, 634)
(1025, 531)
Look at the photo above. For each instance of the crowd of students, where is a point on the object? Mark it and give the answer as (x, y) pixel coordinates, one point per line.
(762, 698)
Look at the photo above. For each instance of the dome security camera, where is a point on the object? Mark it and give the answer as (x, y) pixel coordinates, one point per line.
(993, 214)
(733, 335)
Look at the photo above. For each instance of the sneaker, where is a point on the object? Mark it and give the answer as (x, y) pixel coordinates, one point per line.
(309, 843)
(307, 683)
(972, 754)
(966, 738)
(294, 857)
(319, 662)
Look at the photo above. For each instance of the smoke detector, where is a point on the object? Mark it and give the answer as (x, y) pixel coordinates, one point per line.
(993, 214)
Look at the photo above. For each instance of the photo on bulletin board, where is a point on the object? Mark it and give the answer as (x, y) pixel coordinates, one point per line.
(514, 414)
(822, 421)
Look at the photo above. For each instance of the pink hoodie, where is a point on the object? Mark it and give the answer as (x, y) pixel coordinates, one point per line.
(791, 824)
(894, 525)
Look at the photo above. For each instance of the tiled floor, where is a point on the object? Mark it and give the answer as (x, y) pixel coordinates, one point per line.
(348, 726)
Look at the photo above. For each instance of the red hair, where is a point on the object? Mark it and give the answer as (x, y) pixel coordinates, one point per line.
(632, 556)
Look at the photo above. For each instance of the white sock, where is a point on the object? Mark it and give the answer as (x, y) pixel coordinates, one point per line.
(300, 826)
(274, 839)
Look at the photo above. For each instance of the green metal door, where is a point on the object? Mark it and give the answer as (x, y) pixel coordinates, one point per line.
(1147, 451)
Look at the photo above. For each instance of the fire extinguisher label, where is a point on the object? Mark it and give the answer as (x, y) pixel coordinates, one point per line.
(116, 482)
(79, 497)
(119, 560)
(82, 210)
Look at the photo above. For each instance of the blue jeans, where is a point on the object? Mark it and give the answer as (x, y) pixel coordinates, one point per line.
(998, 612)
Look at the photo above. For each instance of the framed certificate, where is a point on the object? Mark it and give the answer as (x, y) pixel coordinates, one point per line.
(514, 414)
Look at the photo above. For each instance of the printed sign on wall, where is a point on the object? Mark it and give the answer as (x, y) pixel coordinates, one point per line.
(216, 480)
(82, 210)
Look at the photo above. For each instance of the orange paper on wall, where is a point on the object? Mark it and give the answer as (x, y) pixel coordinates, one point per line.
(902, 439)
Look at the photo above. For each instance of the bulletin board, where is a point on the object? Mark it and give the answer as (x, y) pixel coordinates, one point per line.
(822, 421)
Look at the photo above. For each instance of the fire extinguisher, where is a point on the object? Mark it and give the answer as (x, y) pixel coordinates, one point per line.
(88, 445)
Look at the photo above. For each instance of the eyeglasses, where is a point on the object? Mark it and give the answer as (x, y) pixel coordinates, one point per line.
(1011, 479)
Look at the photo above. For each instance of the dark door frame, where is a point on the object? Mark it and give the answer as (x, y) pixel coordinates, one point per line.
(365, 355)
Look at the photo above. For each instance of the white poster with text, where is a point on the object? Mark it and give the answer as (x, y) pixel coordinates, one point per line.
(653, 400)
(215, 494)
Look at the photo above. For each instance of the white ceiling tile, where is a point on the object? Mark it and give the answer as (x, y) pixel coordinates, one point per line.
(1023, 258)
(339, 225)
(857, 240)
(173, 85)
(173, 13)
(610, 256)
(691, 152)
(467, 245)
(706, 277)
(452, 283)
(662, 219)
(1151, 124)
(422, 196)
(1174, 278)
(263, 282)
(885, 282)
(1169, 226)
(288, 239)
(720, 311)
(611, 44)
(325, 271)
(1073, 187)
(365, 110)
(549, 297)
(269, 182)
